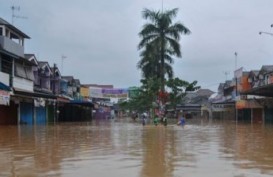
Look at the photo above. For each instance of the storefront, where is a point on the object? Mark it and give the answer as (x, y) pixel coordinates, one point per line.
(249, 110)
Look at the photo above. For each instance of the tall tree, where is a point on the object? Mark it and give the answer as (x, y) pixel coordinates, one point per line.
(150, 65)
(160, 39)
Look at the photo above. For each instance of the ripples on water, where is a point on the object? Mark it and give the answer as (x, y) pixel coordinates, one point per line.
(122, 148)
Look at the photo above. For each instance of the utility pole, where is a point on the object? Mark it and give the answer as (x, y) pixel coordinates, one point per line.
(236, 91)
(54, 92)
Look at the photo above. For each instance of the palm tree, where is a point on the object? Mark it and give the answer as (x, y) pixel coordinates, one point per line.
(160, 39)
(150, 64)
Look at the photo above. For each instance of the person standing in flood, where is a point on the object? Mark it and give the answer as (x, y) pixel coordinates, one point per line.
(156, 120)
(164, 120)
(143, 118)
(181, 121)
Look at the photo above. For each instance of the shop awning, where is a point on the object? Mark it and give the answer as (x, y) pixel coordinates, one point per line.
(265, 90)
(20, 92)
(81, 102)
(63, 99)
(4, 87)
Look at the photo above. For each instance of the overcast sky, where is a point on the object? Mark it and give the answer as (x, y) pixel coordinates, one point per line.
(100, 37)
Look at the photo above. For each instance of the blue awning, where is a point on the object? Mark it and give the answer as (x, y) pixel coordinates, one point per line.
(4, 87)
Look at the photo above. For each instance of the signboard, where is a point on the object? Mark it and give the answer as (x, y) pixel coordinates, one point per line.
(222, 107)
(4, 98)
(108, 93)
(39, 102)
(247, 104)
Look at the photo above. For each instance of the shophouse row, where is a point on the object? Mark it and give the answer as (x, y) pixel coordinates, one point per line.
(247, 97)
(33, 91)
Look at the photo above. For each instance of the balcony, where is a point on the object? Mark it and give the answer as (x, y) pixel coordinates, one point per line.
(11, 46)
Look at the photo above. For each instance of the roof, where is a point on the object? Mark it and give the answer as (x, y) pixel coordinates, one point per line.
(221, 86)
(42, 63)
(253, 72)
(68, 78)
(265, 90)
(77, 81)
(266, 68)
(227, 84)
(57, 71)
(204, 92)
(246, 73)
(31, 58)
(28, 56)
(5, 23)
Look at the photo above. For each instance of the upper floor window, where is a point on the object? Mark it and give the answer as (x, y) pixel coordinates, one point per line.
(1, 31)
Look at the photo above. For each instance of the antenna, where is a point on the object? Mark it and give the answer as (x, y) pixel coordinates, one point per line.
(226, 73)
(63, 57)
(236, 54)
(13, 8)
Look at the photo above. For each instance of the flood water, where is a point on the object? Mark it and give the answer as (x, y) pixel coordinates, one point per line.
(123, 148)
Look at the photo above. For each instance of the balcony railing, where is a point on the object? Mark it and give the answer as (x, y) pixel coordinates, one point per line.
(11, 46)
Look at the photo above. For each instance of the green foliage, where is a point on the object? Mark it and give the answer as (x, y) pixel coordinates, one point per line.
(159, 43)
(147, 95)
(149, 90)
(192, 86)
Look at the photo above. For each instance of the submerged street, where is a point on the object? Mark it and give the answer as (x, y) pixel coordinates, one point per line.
(122, 147)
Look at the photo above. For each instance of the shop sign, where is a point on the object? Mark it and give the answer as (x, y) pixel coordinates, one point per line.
(222, 107)
(4, 97)
(108, 93)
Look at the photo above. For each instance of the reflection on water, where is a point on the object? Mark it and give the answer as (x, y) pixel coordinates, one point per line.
(123, 148)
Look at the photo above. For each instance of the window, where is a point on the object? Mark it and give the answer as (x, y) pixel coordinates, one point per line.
(20, 71)
(24, 71)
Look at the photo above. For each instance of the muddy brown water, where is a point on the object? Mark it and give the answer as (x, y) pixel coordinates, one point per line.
(123, 148)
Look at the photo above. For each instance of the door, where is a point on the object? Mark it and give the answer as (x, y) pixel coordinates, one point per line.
(26, 113)
(40, 115)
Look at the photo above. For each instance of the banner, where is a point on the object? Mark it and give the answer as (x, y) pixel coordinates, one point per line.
(108, 93)
(4, 98)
